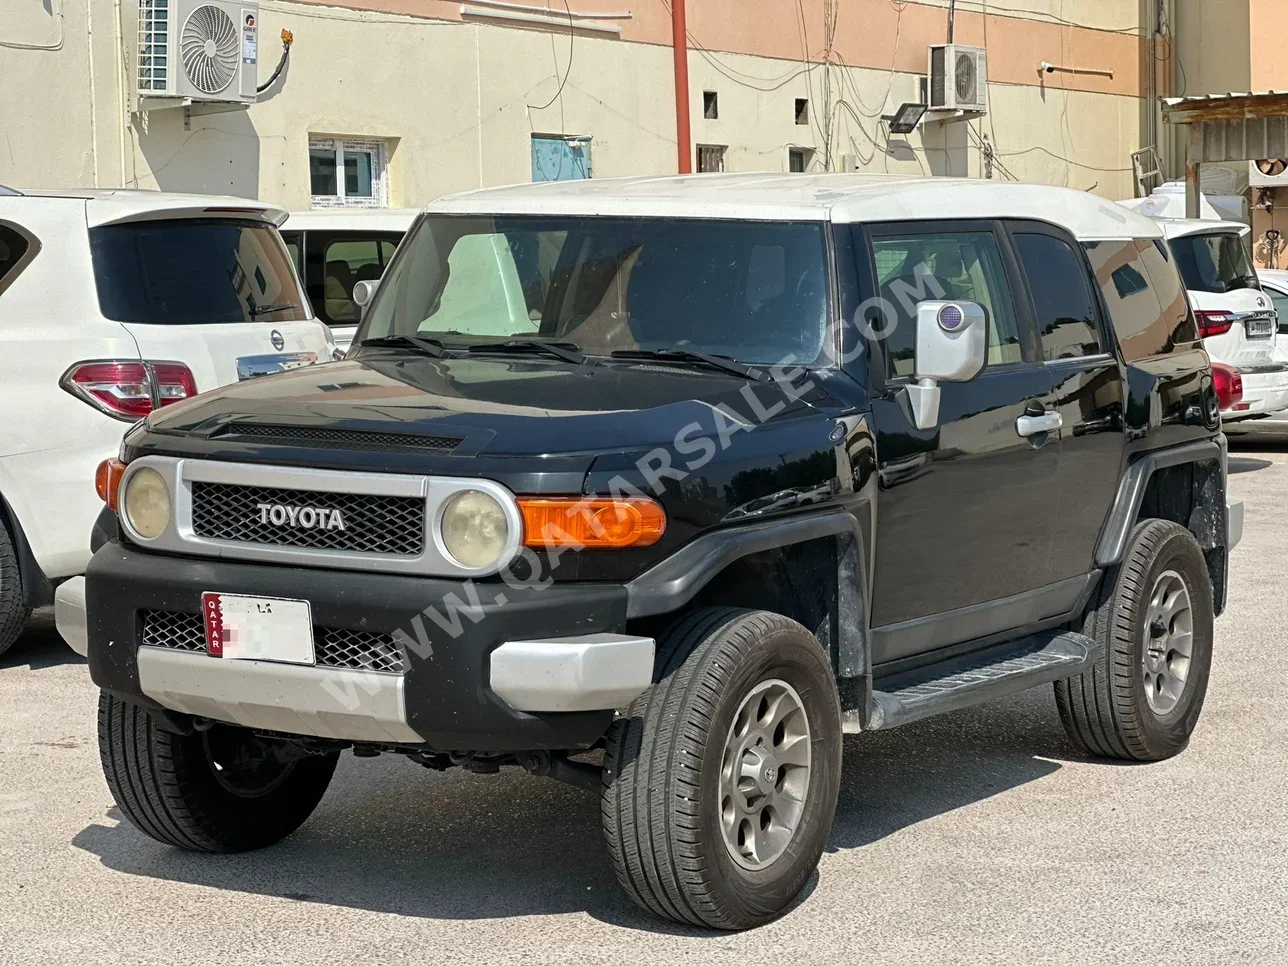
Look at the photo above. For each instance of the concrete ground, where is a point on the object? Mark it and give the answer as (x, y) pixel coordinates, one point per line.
(979, 837)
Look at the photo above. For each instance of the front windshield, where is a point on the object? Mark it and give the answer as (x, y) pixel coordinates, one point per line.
(753, 291)
(1215, 262)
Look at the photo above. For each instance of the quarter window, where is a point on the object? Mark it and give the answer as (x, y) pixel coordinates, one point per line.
(1062, 299)
(347, 173)
(958, 265)
(1143, 293)
(13, 250)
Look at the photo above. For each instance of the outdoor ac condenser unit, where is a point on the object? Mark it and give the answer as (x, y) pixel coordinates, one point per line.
(1268, 173)
(202, 50)
(957, 78)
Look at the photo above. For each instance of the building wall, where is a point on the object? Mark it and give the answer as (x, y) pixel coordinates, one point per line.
(457, 101)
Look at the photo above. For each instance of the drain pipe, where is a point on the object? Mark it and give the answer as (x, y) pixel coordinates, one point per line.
(952, 14)
(680, 47)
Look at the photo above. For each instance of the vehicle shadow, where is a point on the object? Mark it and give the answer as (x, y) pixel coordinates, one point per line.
(392, 838)
(40, 646)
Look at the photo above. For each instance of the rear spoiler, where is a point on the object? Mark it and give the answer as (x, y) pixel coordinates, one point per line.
(117, 209)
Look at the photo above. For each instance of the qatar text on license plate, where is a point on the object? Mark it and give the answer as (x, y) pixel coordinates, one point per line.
(258, 628)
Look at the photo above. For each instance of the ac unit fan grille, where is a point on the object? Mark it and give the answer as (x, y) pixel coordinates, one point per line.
(966, 80)
(210, 49)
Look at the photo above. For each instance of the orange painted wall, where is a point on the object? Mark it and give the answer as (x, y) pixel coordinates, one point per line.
(1269, 44)
(866, 30)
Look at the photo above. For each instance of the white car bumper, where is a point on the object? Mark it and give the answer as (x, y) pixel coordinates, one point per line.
(1263, 392)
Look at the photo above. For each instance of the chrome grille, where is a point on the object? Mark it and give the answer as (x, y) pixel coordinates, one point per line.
(332, 646)
(372, 524)
(352, 439)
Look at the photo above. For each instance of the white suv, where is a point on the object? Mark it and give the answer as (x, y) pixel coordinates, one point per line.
(1236, 317)
(113, 304)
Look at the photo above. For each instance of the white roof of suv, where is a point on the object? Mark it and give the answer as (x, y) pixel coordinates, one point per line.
(106, 206)
(804, 197)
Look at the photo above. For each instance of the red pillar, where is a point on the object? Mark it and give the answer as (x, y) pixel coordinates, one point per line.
(680, 46)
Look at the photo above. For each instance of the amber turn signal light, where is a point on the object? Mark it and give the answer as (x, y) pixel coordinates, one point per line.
(107, 480)
(595, 524)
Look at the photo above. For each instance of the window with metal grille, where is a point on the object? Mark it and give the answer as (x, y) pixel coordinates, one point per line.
(710, 158)
(348, 173)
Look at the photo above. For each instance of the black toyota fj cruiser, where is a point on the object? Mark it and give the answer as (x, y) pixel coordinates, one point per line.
(660, 489)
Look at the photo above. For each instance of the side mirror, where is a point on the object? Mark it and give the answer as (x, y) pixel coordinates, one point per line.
(952, 346)
(364, 291)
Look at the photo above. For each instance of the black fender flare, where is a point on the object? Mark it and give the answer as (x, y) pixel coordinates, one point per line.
(1131, 493)
(670, 584)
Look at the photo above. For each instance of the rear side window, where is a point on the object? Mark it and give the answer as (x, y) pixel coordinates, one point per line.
(949, 265)
(1062, 299)
(16, 250)
(1214, 262)
(199, 272)
(1143, 293)
(347, 262)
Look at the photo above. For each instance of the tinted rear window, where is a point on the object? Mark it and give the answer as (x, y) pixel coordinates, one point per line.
(1215, 262)
(199, 272)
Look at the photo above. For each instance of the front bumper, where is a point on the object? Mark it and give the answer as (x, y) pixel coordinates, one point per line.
(487, 666)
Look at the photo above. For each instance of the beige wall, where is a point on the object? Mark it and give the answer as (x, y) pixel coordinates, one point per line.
(1213, 46)
(459, 101)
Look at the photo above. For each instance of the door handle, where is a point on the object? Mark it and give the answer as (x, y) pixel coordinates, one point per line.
(1048, 422)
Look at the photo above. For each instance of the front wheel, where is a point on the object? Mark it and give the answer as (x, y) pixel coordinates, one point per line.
(221, 790)
(720, 784)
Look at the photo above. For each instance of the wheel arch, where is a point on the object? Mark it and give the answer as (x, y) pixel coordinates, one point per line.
(813, 568)
(1185, 484)
(37, 589)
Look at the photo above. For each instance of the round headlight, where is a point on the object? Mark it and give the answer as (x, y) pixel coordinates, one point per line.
(147, 503)
(474, 529)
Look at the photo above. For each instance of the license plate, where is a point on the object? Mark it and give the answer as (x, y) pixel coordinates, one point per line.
(258, 628)
(1259, 327)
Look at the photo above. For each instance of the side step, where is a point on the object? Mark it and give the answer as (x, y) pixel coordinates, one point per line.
(974, 679)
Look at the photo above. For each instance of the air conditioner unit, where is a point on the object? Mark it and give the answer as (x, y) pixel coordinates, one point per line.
(958, 78)
(1268, 173)
(200, 50)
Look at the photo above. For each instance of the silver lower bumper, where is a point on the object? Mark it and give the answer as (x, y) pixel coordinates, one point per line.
(69, 614)
(291, 698)
(592, 672)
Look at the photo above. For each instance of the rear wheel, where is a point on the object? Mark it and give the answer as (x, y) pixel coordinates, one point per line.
(720, 785)
(221, 790)
(1152, 623)
(13, 612)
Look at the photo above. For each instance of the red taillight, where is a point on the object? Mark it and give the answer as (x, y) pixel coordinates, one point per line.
(1213, 323)
(1228, 384)
(129, 390)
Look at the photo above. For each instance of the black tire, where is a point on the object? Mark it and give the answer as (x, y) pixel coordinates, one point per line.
(661, 795)
(1106, 709)
(167, 787)
(13, 612)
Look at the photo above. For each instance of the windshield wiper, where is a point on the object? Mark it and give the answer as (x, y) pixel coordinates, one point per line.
(679, 354)
(567, 351)
(431, 347)
(256, 310)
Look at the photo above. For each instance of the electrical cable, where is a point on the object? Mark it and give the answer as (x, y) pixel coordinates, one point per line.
(287, 39)
(572, 42)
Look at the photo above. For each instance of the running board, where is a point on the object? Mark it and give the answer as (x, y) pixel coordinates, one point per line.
(974, 679)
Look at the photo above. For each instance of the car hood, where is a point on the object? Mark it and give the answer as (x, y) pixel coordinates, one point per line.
(497, 406)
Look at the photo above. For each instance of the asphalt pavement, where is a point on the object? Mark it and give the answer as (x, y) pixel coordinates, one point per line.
(979, 837)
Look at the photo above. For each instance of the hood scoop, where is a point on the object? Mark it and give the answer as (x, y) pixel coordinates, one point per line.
(277, 435)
